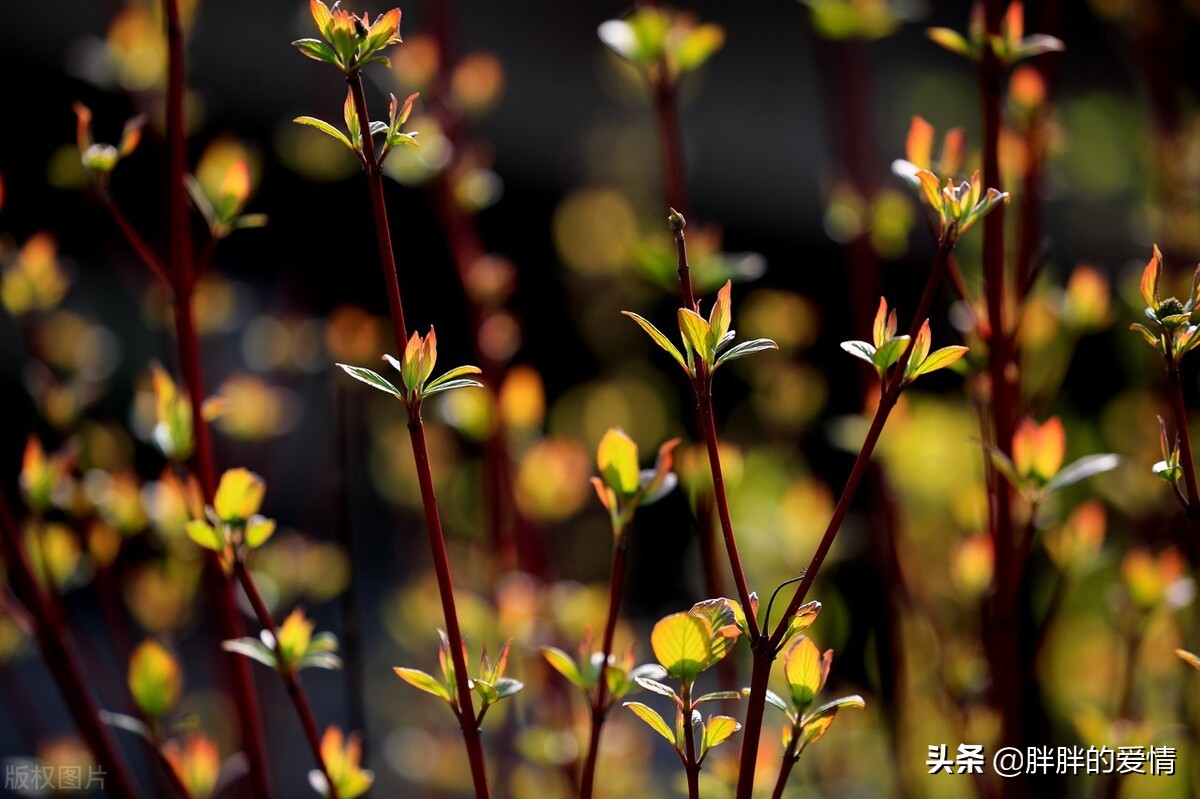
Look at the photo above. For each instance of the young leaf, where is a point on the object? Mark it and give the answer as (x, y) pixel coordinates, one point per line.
(252, 648)
(651, 717)
(564, 664)
(1082, 469)
(746, 348)
(453, 374)
(1188, 658)
(371, 379)
(655, 687)
(681, 642)
(802, 668)
(324, 126)
(697, 335)
(861, 350)
(426, 682)
(940, 360)
(718, 730)
(204, 535)
(617, 457)
(717, 696)
(155, 679)
(659, 339)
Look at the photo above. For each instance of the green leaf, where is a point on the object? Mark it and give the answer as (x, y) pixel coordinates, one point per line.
(319, 660)
(655, 687)
(697, 334)
(426, 682)
(204, 535)
(726, 620)
(564, 664)
(453, 374)
(747, 348)
(802, 620)
(450, 385)
(617, 457)
(717, 696)
(507, 686)
(326, 128)
(698, 46)
(940, 360)
(682, 644)
(651, 717)
(316, 50)
(155, 679)
(816, 725)
(861, 350)
(952, 40)
(371, 379)
(803, 669)
(717, 731)
(889, 353)
(487, 692)
(258, 530)
(1082, 469)
(775, 701)
(252, 648)
(659, 339)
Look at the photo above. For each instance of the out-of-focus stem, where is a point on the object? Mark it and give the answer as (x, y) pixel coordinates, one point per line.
(600, 702)
(291, 679)
(58, 650)
(183, 279)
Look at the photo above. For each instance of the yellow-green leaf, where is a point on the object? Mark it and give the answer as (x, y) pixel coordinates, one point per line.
(802, 667)
(659, 339)
(155, 679)
(682, 644)
(617, 457)
(651, 717)
(718, 730)
(426, 682)
(239, 495)
(204, 535)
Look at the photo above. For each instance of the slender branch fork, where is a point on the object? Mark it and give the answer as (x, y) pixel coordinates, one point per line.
(765, 646)
(437, 542)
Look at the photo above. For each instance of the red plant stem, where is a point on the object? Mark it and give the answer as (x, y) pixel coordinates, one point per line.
(600, 704)
(181, 270)
(690, 763)
(379, 211)
(420, 449)
(702, 389)
(765, 649)
(1003, 651)
(290, 677)
(785, 768)
(704, 410)
(670, 138)
(58, 650)
(139, 245)
(1185, 444)
(441, 565)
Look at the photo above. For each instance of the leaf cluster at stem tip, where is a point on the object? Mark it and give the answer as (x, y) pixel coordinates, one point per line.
(420, 356)
(1168, 327)
(888, 348)
(622, 487)
(491, 685)
(1009, 46)
(707, 343)
(350, 42)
